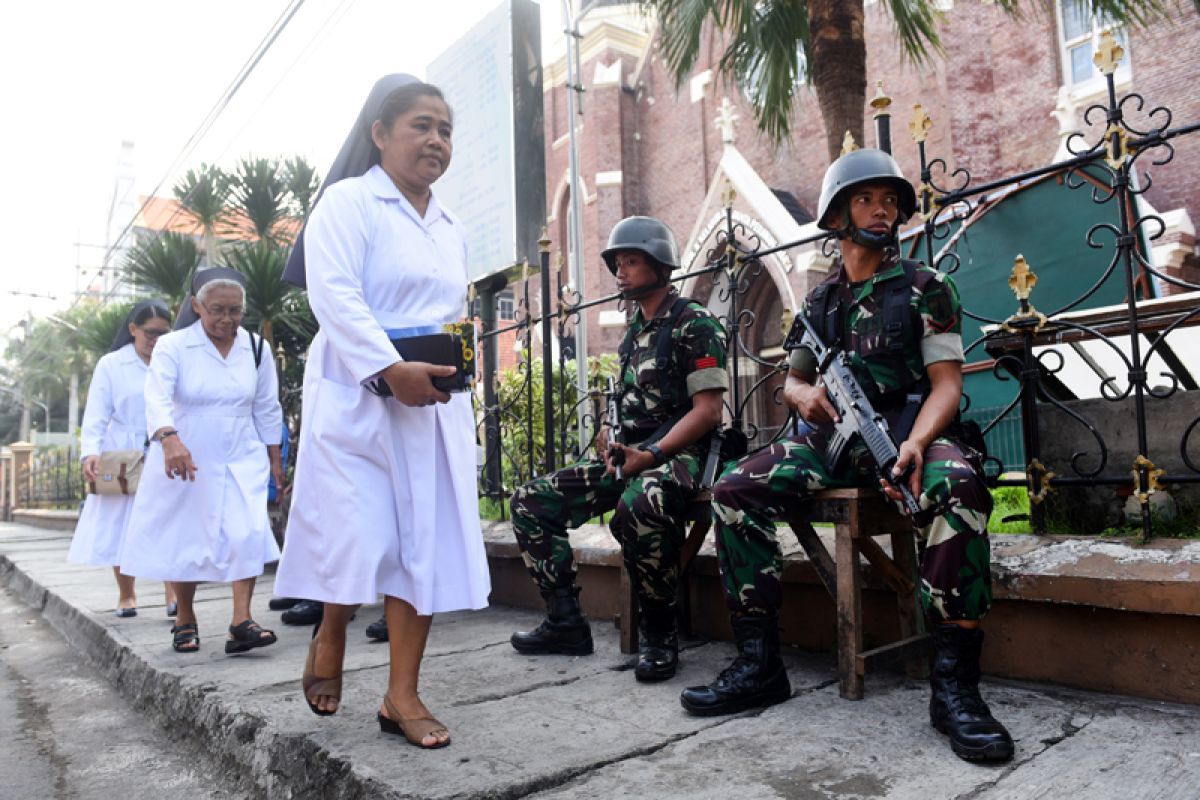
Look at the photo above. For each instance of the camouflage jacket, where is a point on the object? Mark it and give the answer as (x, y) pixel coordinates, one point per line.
(697, 363)
(934, 334)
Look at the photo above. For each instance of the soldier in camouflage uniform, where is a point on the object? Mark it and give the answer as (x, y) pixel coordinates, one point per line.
(907, 354)
(667, 411)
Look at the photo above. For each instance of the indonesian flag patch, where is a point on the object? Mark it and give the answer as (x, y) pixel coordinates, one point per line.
(708, 362)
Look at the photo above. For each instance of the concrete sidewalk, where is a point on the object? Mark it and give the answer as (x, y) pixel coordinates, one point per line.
(580, 727)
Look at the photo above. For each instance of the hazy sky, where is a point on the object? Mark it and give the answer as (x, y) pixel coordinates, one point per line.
(79, 77)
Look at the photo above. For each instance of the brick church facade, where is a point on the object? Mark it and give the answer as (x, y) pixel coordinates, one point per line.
(1001, 100)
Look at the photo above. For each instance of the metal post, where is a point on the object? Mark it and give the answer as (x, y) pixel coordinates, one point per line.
(883, 118)
(547, 358)
(574, 225)
(488, 289)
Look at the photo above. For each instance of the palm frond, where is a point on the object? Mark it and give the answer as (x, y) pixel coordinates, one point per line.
(97, 330)
(163, 266)
(302, 184)
(270, 303)
(259, 193)
(203, 194)
(916, 23)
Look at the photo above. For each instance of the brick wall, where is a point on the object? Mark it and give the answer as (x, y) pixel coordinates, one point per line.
(990, 99)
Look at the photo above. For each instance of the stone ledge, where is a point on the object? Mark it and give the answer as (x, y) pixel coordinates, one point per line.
(1162, 577)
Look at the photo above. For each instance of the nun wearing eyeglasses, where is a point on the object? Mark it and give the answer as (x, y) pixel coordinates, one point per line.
(212, 410)
(385, 499)
(115, 419)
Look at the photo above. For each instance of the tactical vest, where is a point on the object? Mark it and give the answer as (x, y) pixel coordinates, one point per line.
(899, 332)
(662, 353)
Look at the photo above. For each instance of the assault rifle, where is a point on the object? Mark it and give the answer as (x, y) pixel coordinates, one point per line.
(615, 454)
(857, 416)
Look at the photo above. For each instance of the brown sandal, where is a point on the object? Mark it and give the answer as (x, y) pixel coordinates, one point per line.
(315, 686)
(414, 730)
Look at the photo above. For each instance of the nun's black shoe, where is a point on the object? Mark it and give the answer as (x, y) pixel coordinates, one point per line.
(305, 612)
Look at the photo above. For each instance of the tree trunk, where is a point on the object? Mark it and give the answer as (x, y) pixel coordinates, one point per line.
(838, 68)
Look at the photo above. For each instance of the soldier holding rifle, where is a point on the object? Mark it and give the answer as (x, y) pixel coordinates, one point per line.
(893, 329)
(666, 404)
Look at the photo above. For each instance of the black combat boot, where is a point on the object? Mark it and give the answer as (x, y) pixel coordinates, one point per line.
(955, 707)
(658, 650)
(565, 630)
(755, 679)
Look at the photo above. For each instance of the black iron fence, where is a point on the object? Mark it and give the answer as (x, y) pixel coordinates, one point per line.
(536, 421)
(56, 481)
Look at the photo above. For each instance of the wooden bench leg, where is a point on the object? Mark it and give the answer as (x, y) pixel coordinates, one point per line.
(849, 613)
(912, 618)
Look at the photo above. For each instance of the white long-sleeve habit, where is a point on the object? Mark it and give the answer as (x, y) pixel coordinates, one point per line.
(385, 495)
(114, 419)
(226, 411)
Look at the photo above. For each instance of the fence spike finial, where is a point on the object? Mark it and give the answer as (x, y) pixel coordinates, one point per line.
(1109, 54)
(881, 102)
(919, 124)
(848, 143)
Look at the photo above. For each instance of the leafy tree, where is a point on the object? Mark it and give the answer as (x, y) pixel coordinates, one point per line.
(260, 194)
(773, 45)
(270, 303)
(163, 266)
(204, 195)
(302, 184)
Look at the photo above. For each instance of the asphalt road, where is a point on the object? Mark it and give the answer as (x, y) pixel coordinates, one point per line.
(67, 734)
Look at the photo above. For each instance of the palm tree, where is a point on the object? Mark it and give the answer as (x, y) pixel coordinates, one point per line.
(260, 194)
(204, 193)
(270, 303)
(775, 44)
(97, 329)
(302, 184)
(163, 266)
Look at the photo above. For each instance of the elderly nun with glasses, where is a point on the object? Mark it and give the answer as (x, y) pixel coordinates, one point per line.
(115, 419)
(213, 415)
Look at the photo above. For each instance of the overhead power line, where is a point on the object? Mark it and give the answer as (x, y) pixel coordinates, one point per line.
(210, 118)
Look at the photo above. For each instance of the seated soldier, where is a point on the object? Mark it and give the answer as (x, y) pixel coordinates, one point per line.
(907, 353)
(672, 377)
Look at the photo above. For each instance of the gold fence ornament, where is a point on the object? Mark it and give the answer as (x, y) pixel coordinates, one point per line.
(919, 124)
(880, 102)
(1043, 478)
(848, 143)
(1153, 473)
(1021, 281)
(1109, 54)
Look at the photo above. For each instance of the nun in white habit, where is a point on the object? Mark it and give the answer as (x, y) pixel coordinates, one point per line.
(385, 499)
(115, 419)
(212, 407)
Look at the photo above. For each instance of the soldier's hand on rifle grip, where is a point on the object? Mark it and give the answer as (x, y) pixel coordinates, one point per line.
(810, 402)
(911, 456)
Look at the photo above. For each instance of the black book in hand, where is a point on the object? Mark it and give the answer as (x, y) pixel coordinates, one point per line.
(444, 349)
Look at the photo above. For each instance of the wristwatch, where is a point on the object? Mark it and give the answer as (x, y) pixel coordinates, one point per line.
(660, 458)
(165, 434)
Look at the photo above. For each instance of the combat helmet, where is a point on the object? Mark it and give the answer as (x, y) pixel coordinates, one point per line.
(647, 235)
(866, 165)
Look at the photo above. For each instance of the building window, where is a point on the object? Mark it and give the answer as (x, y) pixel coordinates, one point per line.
(505, 309)
(1079, 36)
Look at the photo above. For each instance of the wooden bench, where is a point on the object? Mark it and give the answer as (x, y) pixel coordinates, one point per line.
(858, 515)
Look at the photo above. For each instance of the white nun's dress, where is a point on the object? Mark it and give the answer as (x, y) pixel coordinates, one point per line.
(226, 412)
(114, 419)
(385, 495)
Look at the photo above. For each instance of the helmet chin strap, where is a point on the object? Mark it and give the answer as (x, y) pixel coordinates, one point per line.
(868, 239)
(664, 279)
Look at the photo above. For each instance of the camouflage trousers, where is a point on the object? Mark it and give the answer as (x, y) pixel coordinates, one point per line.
(648, 521)
(955, 554)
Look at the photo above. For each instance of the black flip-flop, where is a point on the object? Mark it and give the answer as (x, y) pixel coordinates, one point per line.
(124, 613)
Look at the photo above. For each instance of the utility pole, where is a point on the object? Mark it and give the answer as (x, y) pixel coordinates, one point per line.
(574, 225)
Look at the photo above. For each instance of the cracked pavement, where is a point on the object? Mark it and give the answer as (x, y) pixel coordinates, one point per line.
(566, 727)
